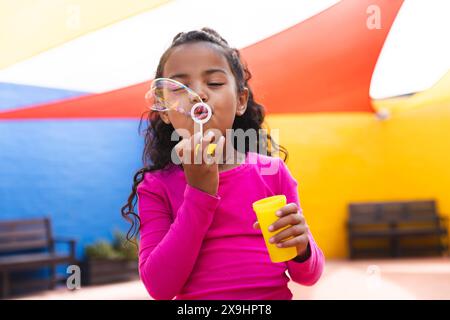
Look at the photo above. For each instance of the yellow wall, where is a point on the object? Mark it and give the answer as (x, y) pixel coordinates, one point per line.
(346, 157)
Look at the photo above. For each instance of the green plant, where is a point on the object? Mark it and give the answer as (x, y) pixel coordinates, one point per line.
(127, 250)
(118, 249)
(101, 250)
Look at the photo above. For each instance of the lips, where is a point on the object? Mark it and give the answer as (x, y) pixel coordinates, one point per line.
(201, 112)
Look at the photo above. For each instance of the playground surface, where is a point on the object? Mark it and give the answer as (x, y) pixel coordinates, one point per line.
(404, 279)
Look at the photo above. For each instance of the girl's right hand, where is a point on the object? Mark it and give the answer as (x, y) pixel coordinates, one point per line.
(201, 170)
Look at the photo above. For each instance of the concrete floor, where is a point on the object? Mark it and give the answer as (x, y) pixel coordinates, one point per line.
(367, 279)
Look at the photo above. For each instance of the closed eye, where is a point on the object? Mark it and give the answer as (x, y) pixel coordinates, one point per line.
(215, 84)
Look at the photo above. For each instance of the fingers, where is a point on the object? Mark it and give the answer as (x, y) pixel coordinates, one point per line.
(198, 145)
(299, 241)
(209, 151)
(204, 148)
(292, 225)
(194, 149)
(291, 219)
(197, 148)
(288, 233)
(218, 152)
(182, 150)
(185, 146)
(287, 209)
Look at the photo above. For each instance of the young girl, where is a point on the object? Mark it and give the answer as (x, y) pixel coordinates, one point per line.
(199, 238)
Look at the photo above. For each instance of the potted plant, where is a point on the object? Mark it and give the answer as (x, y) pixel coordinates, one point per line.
(107, 262)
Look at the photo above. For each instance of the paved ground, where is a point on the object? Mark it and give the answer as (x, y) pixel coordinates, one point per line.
(368, 279)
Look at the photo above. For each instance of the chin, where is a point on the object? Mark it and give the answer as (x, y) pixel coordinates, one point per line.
(214, 127)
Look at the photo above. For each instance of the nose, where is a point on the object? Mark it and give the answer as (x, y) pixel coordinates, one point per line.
(200, 94)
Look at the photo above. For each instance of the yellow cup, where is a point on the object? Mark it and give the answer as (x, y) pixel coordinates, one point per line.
(265, 213)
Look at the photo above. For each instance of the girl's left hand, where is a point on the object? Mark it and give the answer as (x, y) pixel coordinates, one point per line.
(289, 215)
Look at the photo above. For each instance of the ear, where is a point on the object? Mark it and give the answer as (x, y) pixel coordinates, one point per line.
(242, 102)
(164, 117)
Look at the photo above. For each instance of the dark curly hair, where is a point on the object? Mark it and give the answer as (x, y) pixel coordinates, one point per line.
(158, 143)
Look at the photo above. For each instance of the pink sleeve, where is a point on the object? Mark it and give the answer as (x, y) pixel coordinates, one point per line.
(308, 272)
(169, 249)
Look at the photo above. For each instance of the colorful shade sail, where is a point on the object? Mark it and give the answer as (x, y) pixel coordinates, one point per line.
(324, 65)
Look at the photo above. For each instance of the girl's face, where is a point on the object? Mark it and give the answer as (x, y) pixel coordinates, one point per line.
(203, 67)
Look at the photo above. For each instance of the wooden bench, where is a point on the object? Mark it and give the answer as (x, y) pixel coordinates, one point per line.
(29, 244)
(394, 229)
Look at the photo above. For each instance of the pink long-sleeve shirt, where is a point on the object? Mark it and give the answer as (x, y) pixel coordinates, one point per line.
(197, 246)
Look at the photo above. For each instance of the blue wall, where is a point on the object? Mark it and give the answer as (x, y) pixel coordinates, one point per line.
(78, 172)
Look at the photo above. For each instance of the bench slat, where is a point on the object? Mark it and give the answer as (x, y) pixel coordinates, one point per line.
(23, 234)
(12, 224)
(395, 221)
(23, 245)
(398, 232)
(391, 212)
(31, 260)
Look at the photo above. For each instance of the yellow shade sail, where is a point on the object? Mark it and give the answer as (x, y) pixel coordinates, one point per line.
(28, 27)
(437, 94)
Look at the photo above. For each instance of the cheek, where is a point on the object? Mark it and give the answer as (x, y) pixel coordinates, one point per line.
(180, 121)
(224, 111)
(225, 104)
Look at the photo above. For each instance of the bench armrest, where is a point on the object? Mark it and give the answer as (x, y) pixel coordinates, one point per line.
(443, 220)
(71, 242)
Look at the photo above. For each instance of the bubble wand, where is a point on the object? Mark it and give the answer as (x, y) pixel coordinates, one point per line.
(167, 94)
